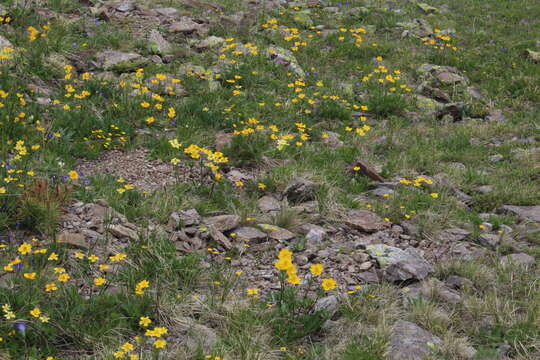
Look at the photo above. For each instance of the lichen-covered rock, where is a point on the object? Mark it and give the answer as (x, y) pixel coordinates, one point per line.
(400, 265)
(120, 61)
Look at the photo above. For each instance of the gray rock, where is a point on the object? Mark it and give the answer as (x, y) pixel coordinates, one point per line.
(277, 233)
(121, 231)
(124, 6)
(285, 57)
(365, 220)
(300, 189)
(381, 191)
(250, 234)
(400, 265)
(489, 240)
(120, 61)
(496, 158)
(223, 222)
(484, 189)
(316, 234)
(5, 43)
(268, 203)
(183, 218)
(458, 282)
(521, 259)
(157, 43)
(170, 12)
(187, 26)
(410, 342)
(193, 336)
(328, 304)
(75, 240)
(210, 43)
(332, 139)
(219, 237)
(495, 115)
(454, 235)
(410, 228)
(526, 212)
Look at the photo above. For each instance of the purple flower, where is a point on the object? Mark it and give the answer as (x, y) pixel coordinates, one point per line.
(20, 326)
(18, 266)
(74, 44)
(173, 122)
(98, 22)
(280, 61)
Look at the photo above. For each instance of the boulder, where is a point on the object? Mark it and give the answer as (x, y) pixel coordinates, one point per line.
(223, 222)
(300, 189)
(531, 213)
(520, 259)
(249, 234)
(120, 61)
(365, 221)
(410, 342)
(157, 43)
(400, 265)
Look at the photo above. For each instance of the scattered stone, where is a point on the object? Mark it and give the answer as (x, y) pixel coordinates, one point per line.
(454, 235)
(286, 58)
(120, 61)
(410, 342)
(187, 26)
(268, 203)
(484, 189)
(332, 139)
(157, 43)
(382, 191)
(489, 240)
(219, 237)
(533, 56)
(184, 218)
(300, 189)
(400, 265)
(315, 234)
(328, 304)
(531, 213)
(366, 170)
(191, 336)
(458, 282)
(75, 240)
(169, 12)
(5, 43)
(520, 259)
(210, 43)
(416, 27)
(250, 234)
(223, 222)
(428, 9)
(365, 221)
(495, 116)
(121, 231)
(277, 233)
(496, 158)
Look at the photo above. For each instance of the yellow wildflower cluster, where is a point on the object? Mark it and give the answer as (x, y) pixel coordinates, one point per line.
(384, 76)
(439, 41)
(34, 33)
(6, 53)
(112, 139)
(141, 287)
(285, 263)
(418, 181)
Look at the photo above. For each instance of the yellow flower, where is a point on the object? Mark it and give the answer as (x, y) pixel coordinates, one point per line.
(25, 248)
(51, 287)
(73, 175)
(316, 269)
(2, 190)
(99, 281)
(79, 255)
(252, 291)
(119, 355)
(434, 195)
(63, 277)
(127, 347)
(93, 258)
(261, 186)
(160, 343)
(329, 284)
(144, 321)
(35, 312)
(30, 276)
(53, 256)
(139, 288)
(103, 267)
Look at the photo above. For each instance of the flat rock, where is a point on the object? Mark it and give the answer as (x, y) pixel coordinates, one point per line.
(268, 203)
(170, 12)
(328, 304)
(454, 235)
(365, 220)
(527, 212)
(410, 342)
(183, 218)
(219, 237)
(120, 61)
(157, 43)
(458, 282)
(75, 240)
(521, 259)
(277, 233)
(223, 222)
(250, 234)
(495, 115)
(400, 265)
(300, 189)
(121, 231)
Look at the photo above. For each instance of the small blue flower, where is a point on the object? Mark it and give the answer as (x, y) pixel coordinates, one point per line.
(20, 326)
